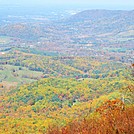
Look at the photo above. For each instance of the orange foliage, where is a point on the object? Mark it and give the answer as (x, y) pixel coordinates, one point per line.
(110, 118)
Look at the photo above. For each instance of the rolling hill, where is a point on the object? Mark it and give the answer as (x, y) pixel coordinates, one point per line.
(100, 26)
(71, 76)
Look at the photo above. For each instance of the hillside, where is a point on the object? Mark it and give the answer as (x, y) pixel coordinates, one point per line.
(95, 15)
(74, 75)
(118, 26)
(27, 67)
(107, 25)
(35, 107)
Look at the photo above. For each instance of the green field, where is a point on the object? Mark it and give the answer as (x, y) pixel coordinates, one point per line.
(18, 74)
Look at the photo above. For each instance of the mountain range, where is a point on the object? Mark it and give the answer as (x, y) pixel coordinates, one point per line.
(98, 26)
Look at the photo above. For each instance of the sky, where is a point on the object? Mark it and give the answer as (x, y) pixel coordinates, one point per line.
(117, 4)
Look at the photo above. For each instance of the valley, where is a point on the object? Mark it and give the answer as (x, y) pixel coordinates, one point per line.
(67, 72)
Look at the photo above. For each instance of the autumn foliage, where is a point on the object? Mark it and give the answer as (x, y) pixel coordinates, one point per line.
(69, 106)
(110, 118)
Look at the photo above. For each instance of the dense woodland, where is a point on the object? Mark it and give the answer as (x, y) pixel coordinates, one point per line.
(70, 105)
(69, 76)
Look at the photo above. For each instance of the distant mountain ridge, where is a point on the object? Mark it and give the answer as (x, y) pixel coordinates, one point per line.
(111, 19)
(117, 25)
(102, 26)
(101, 14)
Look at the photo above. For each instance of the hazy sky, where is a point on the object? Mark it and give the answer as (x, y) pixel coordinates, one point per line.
(119, 4)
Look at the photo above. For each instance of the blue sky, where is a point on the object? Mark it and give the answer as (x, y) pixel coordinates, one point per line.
(117, 4)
